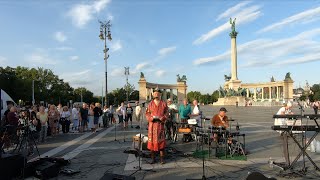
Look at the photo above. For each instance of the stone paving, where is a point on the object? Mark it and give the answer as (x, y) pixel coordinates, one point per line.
(95, 154)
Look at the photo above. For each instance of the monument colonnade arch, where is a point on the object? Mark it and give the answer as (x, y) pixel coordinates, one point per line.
(270, 91)
(146, 90)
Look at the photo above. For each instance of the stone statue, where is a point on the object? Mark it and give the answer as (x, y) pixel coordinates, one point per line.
(227, 78)
(233, 32)
(178, 78)
(288, 77)
(184, 78)
(141, 75)
(272, 79)
(222, 92)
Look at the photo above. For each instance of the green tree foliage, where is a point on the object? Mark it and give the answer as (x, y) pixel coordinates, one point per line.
(17, 82)
(315, 96)
(194, 95)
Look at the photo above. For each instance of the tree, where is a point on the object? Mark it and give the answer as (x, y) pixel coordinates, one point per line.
(215, 96)
(193, 95)
(315, 96)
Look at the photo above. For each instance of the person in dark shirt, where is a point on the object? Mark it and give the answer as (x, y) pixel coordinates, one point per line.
(5, 118)
(83, 117)
(97, 112)
(12, 117)
(129, 111)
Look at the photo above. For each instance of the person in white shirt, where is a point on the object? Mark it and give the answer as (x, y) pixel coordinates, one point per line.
(286, 109)
(138, 113)
(196, 113)
(75, 117)
(65, 119)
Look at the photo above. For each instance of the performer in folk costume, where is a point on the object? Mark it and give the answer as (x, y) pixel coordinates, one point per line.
(156, 114)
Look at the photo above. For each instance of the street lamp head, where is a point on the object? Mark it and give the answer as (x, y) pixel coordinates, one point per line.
(109, 36)
(101, 35)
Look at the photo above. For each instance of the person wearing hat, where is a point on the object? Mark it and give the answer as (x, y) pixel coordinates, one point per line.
(220, 120)
(156, 114)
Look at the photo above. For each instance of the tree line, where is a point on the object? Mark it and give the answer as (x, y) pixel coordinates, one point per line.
(49, 88)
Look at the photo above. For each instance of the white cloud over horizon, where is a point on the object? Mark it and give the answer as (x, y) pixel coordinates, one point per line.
(297, 49)
(160, 73)
(243, 14)
(74, 58)
(40, 58)
(306, 16)
(60, 36)
(116, 46)
(167, 50)
(82, 13)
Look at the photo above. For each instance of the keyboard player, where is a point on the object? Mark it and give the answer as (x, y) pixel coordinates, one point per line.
(286, 109)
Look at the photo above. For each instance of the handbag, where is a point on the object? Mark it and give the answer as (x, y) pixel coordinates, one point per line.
(113, 119)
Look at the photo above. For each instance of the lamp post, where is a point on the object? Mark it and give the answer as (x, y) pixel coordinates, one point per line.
(104, 34)
(126, 72)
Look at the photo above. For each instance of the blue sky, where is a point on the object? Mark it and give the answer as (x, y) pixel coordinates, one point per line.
(163, 38)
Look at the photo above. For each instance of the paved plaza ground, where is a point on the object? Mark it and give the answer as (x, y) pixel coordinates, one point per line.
(95, 154)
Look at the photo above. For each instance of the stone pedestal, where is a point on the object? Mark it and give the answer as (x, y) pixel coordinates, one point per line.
(142, 90)
(234, 84)
(230, 101)
(181, 91)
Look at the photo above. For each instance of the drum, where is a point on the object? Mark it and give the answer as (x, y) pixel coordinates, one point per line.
(192, 121)
(185, 130)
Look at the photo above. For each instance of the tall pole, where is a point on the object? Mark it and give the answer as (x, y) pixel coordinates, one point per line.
(126, 72)
(104, 34)
(33, 92)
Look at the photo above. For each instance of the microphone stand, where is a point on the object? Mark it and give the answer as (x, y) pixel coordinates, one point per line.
(303, 137)
(139, 168)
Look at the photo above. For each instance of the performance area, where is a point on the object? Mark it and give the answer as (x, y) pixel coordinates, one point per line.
(111, 153)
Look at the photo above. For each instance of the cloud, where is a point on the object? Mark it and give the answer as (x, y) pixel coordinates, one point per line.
(40, 58)
(160, 73)
(242, 14)
(63, 48)
(60, 36)
(167, 50)
(116, 46)
(300, 18)
(116, 72)
(80, 78)
(297, 49)
(142, 66)
(74, 58)
(231, 11)
(81, 14)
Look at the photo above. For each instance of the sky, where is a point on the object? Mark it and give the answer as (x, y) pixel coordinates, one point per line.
(163, 38)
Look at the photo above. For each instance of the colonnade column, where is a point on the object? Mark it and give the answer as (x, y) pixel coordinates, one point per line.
(270, 93)
(255, 93)
(248, 92)
(171, 94)
(262, 93)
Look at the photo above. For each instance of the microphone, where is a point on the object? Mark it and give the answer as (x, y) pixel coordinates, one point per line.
(231, 120)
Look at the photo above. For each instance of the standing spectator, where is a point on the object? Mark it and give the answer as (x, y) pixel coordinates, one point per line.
(184, 111)
(12, 117)
(196, 113)
(60, 109)
(65, 119)
(43, 117)
(121, 111)
(90, 117)
(54, 117)
(33, 116)
(315, 106)
(75, 117)
(138, 114)
(110, 114)
(105, 118)
(5, 118)
(97, 112)
(83, 115)
(171, 120)
(129, 111)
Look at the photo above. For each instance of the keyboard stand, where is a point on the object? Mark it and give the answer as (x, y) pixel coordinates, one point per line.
(303, 150)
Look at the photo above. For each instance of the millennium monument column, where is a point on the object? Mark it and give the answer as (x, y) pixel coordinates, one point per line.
(234, 82)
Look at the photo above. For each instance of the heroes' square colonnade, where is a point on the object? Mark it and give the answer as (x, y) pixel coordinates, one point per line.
(146, 89)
